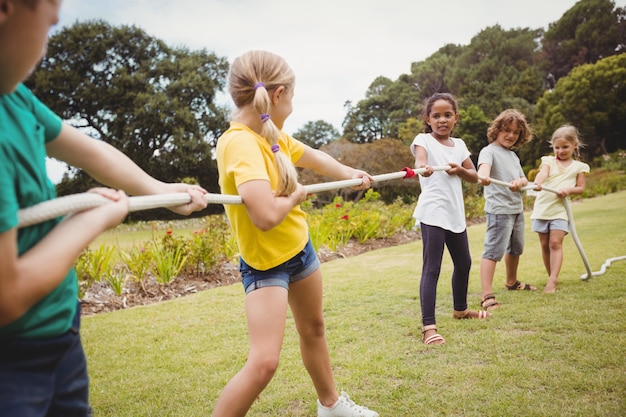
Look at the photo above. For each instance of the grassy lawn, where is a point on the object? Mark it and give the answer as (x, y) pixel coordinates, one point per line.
(539, 355)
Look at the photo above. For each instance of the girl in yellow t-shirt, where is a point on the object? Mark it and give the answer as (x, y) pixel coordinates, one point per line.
(549, 218)
(278, 264)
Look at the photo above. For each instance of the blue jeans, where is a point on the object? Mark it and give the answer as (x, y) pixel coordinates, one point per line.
(44, 377)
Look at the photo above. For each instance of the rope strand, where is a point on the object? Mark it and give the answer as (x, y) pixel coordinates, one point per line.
(77, 202)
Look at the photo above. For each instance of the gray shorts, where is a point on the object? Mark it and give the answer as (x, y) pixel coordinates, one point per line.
(544, 226)
(505, 233)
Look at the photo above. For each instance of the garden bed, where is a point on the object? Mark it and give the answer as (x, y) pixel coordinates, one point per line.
(100, 298)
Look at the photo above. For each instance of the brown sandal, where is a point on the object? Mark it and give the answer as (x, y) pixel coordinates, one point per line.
(435, 339)
(519, 286)
(467, 314)
(489, 302)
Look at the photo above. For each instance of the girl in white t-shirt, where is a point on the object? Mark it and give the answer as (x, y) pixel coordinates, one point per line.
(440, 210)
(567, 175)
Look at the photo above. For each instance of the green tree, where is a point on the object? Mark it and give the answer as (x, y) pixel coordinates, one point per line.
(155, 103)
(589, 31)
(409, 129)
(592, 98)
(497, 70)
(497, 67)
(433, 74)
(370, 120)
(316, 134)
(472, 128)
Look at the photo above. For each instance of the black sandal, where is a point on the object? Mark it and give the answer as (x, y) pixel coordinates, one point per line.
(489, 302)
(518, 286)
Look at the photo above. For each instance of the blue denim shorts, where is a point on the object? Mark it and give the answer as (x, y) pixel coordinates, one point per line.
(45, 377)
(505, 233)
(544, 226)
(300, 266)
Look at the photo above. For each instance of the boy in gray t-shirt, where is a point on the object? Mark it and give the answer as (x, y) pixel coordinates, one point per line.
(504, 207)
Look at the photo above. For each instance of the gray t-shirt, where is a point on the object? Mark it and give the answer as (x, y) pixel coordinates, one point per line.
(505, 166)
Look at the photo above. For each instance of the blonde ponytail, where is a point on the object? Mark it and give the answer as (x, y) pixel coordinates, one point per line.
(252, 76)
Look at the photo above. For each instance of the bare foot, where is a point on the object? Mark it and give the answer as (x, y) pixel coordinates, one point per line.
(550, 288)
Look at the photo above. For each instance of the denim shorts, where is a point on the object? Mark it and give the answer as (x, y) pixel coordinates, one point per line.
(505, 233)
(544, 226)
(45, 377)
(300, 266)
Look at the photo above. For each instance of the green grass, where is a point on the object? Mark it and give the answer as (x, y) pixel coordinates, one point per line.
(539, 355)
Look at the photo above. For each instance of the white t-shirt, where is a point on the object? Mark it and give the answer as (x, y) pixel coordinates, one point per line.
(441, 200)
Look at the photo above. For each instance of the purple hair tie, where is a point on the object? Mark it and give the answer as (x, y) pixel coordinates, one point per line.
(257, 85)
(275, 148)
(265, 117)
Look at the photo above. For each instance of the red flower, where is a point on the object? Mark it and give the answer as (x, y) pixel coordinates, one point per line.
(168, 232)
(337, 205)
(345, 217)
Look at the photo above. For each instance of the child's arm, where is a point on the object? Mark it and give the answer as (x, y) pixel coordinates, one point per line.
(467, 170)
(326, 165)
(109, 166)
(517, 184)
(484, 174)
(264, 208)
(421, 161)
(26, 279)
(541, 176)
(575, 190)
(267, 211)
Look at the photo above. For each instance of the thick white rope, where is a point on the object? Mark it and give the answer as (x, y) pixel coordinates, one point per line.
(77, 202)
(570, 216)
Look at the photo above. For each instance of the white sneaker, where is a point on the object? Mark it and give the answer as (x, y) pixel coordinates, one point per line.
(345, 407)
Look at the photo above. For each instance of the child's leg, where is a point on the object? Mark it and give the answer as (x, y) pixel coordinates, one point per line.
(487, 272)
(511, 262)
(433, 239)
(45, 377)
(305, 300)
(556, 259)
(514, 251)
(266, 310)
(544, 240)
(459, 252)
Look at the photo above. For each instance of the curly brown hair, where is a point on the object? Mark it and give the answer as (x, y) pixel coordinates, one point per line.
(506, 119)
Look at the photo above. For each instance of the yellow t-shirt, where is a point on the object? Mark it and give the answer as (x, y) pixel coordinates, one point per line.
(547, 205)
(242, 156)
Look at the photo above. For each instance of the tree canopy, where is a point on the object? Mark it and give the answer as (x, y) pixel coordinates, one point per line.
(316, 134)
(155, 103)
(587, 32)
(591, 97)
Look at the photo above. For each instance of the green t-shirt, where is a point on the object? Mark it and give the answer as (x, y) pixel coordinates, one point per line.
(26, 125)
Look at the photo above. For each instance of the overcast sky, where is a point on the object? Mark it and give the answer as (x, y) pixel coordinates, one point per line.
(335, 47)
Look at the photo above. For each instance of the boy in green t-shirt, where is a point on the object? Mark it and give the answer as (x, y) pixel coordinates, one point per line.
(42, 363)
